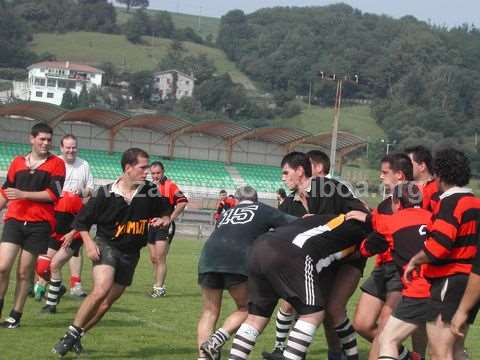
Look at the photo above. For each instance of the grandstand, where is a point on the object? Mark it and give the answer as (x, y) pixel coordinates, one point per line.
(201, 157)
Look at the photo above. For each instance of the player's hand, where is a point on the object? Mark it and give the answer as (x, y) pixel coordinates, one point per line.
(163, 221)
(356, 215)
(410, 268)
(13, 194)
(92, 250)
(457, 324)
(67, 239)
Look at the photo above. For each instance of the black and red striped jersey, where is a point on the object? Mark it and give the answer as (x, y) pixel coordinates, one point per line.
(49, 176)
(453, 236)
(404, 234)
(379, 217)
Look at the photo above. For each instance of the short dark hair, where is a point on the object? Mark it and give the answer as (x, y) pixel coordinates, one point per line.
(159, 164)
(282, 193)
(400, 162)
(67, 136)
(452, 167)
(421, 155)
(297, 159)
(41, 128)
(130, 157)
(408, 194)
(223, 191)
(319, 157)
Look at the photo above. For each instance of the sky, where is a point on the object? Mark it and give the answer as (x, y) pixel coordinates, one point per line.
(438, 12)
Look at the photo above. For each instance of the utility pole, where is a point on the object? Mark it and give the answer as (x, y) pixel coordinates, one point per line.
(336, 113)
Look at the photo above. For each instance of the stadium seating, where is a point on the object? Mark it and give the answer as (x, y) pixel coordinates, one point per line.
(106, 166)
(264, 178)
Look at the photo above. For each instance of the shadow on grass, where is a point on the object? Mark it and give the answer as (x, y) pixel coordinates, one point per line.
(152, 352)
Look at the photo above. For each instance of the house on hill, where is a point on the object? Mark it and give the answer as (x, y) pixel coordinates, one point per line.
(48, 81)
(172, 83)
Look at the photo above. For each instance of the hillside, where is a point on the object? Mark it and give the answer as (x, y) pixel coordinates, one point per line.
(356, 119)
(203, 25)
(96, 48)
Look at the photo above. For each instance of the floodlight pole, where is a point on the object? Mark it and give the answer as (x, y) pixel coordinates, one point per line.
(336, 118)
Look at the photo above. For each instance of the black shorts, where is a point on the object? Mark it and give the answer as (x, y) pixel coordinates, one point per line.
(30, 236)
(161, 234)
(357, 263)
(446, 294)
(123, 263)
(75, 245)
(217, 280)
(383, 280)
(280, 270)
(412, 310)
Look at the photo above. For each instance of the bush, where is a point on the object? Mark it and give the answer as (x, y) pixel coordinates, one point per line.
(13, 74)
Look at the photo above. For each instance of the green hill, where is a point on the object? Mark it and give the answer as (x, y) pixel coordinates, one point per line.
(203, 25)
(96, 48)
(355, 119)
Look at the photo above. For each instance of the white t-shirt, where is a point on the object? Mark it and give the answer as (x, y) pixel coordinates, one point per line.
(78, 176)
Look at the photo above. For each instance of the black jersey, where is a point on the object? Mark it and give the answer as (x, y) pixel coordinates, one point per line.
(325, 196)
(123, 225)
(325, 238)
(227, 248)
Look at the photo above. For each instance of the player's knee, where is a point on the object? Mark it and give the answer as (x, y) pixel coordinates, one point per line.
(23, 275)
(362, 327)
(335, 312)
(98, 294)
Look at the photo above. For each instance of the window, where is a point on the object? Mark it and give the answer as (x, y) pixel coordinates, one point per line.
(51, 82)
(66, 84)
(39, 81)
(50, 95)
(39, 94)
(157, 79)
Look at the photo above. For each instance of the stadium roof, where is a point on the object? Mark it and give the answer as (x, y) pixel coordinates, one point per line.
(231, 132)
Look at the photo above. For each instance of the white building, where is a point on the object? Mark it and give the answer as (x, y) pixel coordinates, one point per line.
(48, 80)
(164, 84)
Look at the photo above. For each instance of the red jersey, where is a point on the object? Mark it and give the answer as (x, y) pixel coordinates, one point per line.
(49, 176)
(431, 196)
(170, 190)
(380, 217)
(405, 232)
(453, 236)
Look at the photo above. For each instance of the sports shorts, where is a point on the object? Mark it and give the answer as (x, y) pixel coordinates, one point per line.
(30, 236)
(383, 280)
(161, 234)
(218, 280)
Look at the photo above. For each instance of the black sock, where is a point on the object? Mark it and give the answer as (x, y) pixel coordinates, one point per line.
(403, 353)
(15, 315)
(1, 306)
(75, 330)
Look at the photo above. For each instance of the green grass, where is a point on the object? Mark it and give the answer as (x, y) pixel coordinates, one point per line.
(138, 327)
(355, 119)
(96, 48)
(203, 25)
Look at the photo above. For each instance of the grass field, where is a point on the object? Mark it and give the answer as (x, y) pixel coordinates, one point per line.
(203, 25)
(316, 119)
(96, 48)
(138, 327)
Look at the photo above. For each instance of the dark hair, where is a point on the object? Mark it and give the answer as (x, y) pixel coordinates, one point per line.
(400, 162)
(67, 136)
(223, 192)
(408, 194)
(452, 167)
(282, 193)
(319, 157)
(130, 157)
(159, 164)
(297, 159)
(421, 155)
(41, 128)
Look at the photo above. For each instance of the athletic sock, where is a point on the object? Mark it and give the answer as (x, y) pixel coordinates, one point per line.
(335, 355)
(283, 323)
(243, 342)
(74, 280)
(348, 338)
(220, 337)
(15, 315)
(299, 340)
(53, 292)
(403, 352)
(387, 358)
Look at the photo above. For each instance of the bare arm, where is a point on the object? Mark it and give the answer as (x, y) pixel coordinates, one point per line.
(178, 210)
(40, 196)
(414, 263)
(91, 247)
(470, 298)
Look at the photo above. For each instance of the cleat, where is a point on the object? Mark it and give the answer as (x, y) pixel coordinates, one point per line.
(78, 347)
(65, 344)
(212, 349)
(10, 323)
(77, 291)
(49, 309)
(276, 354)
(39, 292)
(158, 292)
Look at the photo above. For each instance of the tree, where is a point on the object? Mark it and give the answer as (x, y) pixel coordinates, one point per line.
(162, 25)
(83, 98)
(68, 100)
(134, 3)
(136, 26)
(141, 85)
(234, 29)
